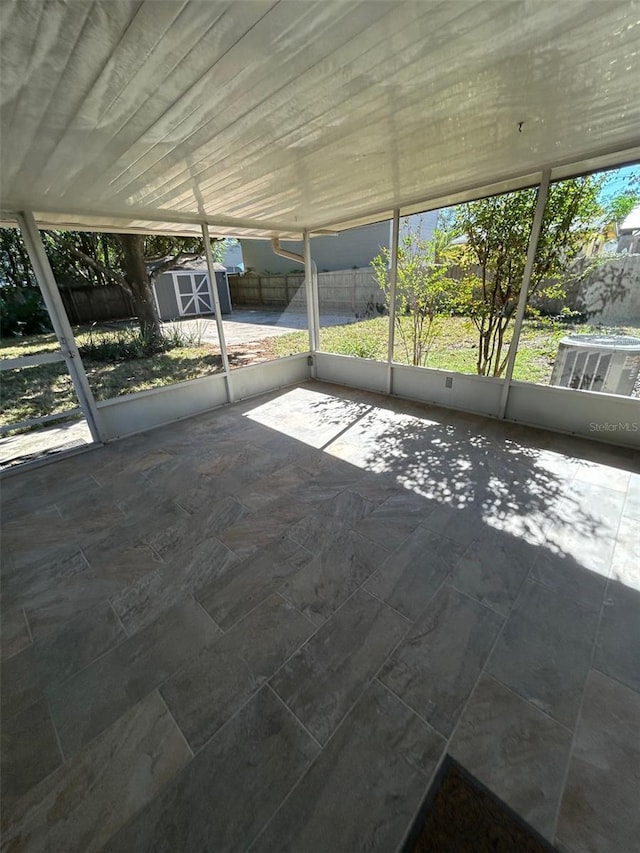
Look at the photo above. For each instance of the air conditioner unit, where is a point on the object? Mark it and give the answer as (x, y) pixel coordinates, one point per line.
(607, 363)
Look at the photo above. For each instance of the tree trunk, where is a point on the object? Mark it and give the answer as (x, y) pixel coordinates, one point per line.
(140, 284)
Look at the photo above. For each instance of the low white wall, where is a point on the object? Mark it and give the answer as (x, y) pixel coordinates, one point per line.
(350, 370)
(132, 413)
(269, 375)
(604, 417)
(480, 394)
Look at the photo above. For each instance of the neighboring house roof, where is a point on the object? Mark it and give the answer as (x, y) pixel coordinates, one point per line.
(632, 221)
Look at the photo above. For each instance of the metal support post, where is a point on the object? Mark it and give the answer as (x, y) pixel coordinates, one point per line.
(311, 284)
(393, 283)
(536, 228)
(55, 306)
(216, 305)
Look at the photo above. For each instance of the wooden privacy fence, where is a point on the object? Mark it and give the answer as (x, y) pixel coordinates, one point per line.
(345, 291)
(96, 304)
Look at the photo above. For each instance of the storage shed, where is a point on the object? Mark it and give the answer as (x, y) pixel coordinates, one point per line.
(186, 292)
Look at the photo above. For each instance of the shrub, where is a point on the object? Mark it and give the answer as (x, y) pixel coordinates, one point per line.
(23, 312)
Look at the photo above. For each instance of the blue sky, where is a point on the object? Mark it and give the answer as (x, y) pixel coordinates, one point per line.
(617, 181)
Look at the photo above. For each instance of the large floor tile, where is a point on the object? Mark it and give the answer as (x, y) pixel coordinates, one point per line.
(545, 651)
(397, 517)
(456, 524)
(23, 585)
(335, 759)
(493, 569)
(209, 690)
(335, 572)
(80, 805)
(86, 704)
(233, 594)
(323, 680)
(567, 577)
(264, 527)
(603, 475)
(599, 810)
(617, 652)
(625, 565)
(229, 791)
(413, 573)
(586, 525)
(363, 790)
(50, 611)
(334, 517)
(435, 668)
(29, 750)
(201, 560)
(515, 750)
(57, 656)
(15, 634)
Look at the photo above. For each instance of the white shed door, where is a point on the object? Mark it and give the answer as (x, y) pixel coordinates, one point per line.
(193, 293)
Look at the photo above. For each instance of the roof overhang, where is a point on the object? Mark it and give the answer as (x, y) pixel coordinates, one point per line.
(266, 119)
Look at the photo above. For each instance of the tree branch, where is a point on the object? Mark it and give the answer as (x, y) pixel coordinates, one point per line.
(96, 265)
(167, 263)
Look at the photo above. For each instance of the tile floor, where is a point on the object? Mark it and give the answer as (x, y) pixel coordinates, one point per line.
(262, 628)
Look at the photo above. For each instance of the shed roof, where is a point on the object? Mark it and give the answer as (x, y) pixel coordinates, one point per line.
(265, 118)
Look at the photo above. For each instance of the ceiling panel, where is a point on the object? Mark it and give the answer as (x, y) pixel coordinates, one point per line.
(264, 117)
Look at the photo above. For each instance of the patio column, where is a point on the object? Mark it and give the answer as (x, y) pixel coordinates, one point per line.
(393, 282)
(216, 305)
(536, 228)
(313, 309)
(55, 306)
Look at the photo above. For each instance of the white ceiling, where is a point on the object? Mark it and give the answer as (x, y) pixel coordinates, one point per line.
(265, 117)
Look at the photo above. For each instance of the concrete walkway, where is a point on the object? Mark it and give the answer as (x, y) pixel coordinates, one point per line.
(245, 326)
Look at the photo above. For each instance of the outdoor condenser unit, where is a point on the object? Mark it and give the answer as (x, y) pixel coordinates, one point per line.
(608, 363)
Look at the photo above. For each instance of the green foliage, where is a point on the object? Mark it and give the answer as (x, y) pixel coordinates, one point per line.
(22, 312)
(620, 206)
(126, 343)
(121, 345)
(496, 234)
(425, 290)
(90, 258)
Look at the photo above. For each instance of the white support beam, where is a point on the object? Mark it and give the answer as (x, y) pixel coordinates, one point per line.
(313, 310)
(543, 192)
(216, 304)
(393, 285)
(62, 327)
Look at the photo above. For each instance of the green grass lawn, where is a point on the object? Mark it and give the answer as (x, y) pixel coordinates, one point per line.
(454, 349)
(32, 392)
(44, 389)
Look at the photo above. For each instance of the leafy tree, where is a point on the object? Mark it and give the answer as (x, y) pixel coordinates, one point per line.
(620, 206)
(22, 311)
(132, 261)
(493, 254)
(424, 288)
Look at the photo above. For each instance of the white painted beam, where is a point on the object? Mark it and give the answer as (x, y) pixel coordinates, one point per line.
(393, 286)
(543, 192)
(62, 327)
(216, 304)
